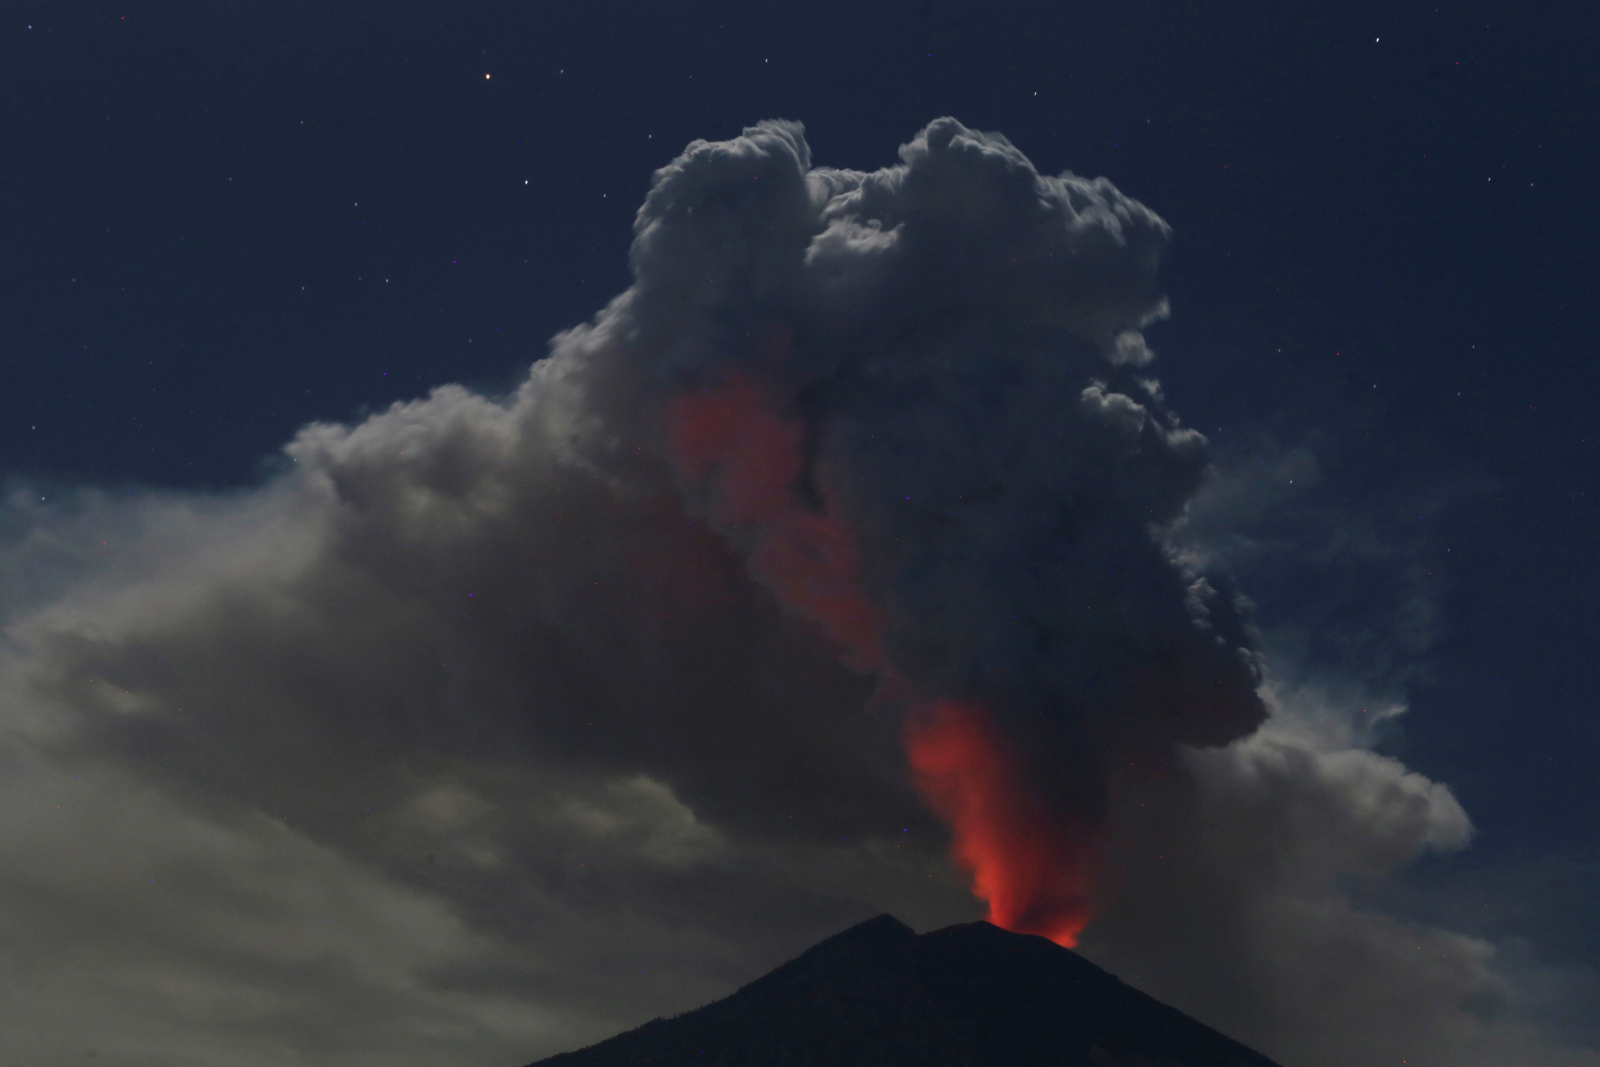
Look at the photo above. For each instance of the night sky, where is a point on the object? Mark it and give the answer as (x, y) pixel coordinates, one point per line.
(223, 222)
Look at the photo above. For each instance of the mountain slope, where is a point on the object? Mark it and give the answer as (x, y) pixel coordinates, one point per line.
(878, 995)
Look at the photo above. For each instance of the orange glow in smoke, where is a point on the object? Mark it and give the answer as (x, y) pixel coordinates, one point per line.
(1032, 866)
(807, 556)
(1031, 863)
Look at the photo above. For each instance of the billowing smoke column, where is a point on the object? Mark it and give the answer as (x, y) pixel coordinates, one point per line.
(913, 398)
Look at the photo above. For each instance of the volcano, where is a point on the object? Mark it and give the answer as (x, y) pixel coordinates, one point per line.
(880, 995)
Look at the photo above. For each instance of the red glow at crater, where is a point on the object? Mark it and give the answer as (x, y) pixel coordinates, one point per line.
(1032, 865)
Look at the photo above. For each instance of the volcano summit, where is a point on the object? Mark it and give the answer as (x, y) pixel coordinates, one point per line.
(879, 995)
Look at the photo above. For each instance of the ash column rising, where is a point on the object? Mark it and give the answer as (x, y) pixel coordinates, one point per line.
(916, 401)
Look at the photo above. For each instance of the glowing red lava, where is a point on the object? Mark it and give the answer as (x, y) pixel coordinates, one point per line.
(1031, 865)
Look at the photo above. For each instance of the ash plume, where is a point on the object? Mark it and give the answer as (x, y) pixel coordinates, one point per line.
(913, 399)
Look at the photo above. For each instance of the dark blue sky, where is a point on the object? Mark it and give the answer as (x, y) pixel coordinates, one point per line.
(222, 223)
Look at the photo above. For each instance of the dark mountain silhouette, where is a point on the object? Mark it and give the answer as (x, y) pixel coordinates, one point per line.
(878, 995)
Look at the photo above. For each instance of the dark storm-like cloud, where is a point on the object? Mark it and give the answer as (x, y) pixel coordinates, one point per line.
(510, 719)
(911, 400)
(957, 338)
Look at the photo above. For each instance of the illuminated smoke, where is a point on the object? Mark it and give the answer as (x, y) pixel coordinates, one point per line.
(914, 399)
(1033, 862)
(803, 553)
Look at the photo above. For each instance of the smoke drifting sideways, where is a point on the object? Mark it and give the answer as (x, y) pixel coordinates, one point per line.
(912, 399)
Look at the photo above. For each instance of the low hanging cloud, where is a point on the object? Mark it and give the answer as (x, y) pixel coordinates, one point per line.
(493, 726)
